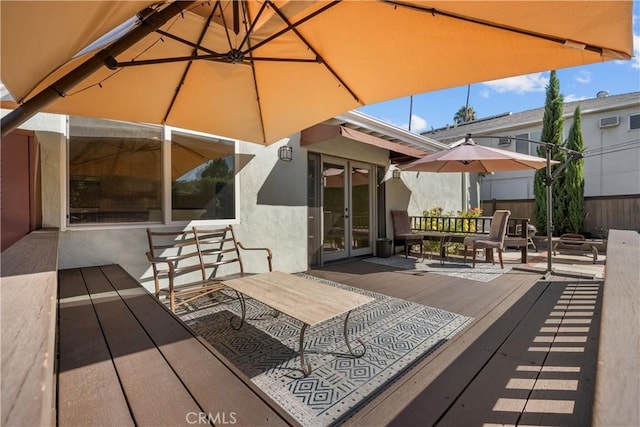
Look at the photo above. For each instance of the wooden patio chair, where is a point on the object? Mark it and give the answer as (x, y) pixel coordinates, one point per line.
(402, 233)
(495, 239)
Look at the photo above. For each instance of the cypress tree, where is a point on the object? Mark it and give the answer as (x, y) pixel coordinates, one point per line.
(574, 178)
(552, 130)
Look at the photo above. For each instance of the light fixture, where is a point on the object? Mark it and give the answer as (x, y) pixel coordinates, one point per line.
(396, 174)
(285, 153)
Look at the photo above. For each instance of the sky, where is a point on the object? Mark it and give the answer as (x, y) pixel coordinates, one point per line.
(436, 109)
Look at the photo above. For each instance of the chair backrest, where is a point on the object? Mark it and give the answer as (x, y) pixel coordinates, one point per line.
(401, 224)
(499, 225)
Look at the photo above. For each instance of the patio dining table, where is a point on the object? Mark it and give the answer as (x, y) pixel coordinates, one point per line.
(444, 238)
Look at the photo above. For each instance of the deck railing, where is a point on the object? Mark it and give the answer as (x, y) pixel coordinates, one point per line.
(516, 227)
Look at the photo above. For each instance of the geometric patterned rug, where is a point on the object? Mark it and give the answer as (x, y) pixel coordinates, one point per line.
(397, 334)
(484, 272)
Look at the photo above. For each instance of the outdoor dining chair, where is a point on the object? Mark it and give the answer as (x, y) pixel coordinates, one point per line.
(402, 233)
(495, 239)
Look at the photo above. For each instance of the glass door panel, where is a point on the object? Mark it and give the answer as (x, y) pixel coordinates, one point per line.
(360, 216)
(335, 192)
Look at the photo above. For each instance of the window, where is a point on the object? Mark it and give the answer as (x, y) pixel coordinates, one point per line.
(116, 174)
(202, 178)
(522, 147)
(634, 122)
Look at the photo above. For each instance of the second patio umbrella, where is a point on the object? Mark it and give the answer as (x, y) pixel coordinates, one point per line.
(471, 157)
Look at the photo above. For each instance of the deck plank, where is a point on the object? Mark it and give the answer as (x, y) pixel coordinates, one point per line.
(216, 386)
(84, 362)
(155, 394)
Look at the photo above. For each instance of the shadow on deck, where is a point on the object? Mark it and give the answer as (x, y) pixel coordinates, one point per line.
(528, 358)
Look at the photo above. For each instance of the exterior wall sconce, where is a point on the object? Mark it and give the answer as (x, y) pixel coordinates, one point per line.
(285, 153)
(396, 174)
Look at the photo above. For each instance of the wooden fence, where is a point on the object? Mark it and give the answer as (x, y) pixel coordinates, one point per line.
(602, 213)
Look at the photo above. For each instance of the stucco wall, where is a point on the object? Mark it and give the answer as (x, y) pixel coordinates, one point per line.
(416, 192)
(272, 199)
(272, 207)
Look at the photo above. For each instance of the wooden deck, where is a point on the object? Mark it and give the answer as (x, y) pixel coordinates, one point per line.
(125, 359)
(534, 354)
(529, 357)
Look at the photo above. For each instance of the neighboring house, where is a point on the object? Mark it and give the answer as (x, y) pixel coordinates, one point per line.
(102, 183)
(611, 132)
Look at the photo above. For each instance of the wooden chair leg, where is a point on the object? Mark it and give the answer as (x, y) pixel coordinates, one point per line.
(474, 257)
(465, 254)
(500, 257)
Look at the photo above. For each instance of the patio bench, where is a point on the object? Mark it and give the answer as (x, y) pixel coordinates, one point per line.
(126, 359)
(194, 262)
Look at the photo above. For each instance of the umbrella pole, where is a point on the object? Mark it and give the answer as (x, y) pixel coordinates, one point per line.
(548, 182)
(58, 89)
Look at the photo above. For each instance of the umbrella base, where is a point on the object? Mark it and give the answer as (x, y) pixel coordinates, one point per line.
(546, 274)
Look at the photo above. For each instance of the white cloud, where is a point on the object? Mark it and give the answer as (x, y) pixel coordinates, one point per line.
(571, 98)
(418, 124)
(635, 61)
(583, 77)
(485, 93)
(520, 85)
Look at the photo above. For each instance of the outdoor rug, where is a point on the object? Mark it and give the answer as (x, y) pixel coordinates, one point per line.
(484, 272)
(397, 335)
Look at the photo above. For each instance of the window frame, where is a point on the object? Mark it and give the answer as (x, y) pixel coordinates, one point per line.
(166, 203)
(630, 129)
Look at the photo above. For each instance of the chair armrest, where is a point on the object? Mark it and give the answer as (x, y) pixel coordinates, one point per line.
(269, 254)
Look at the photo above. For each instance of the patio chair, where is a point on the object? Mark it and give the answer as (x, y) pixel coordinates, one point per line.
(495, 239)
(402, 233)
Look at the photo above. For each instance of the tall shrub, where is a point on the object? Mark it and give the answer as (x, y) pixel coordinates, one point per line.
(574, 179)
(552, 129)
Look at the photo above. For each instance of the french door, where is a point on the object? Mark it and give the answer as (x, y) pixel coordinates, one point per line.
(347, 204)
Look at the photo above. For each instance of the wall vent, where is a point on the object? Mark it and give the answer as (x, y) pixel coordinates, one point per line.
(606, 122)
(504, 141)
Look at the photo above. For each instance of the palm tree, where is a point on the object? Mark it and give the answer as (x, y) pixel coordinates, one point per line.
(465, 114)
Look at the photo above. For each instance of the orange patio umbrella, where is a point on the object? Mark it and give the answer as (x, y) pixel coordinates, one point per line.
(261, 70)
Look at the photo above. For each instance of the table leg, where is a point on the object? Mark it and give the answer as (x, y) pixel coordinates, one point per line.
(306, 368)
(346, 338)
(243, 308)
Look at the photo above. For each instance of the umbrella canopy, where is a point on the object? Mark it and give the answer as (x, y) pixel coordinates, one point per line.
(261, 70)
(471, 157)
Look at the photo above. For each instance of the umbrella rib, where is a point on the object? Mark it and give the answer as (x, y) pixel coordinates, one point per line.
(318, 56)
(554, 39)
(188, 67)
(253, 70)
(188, 43)
(245, 40)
